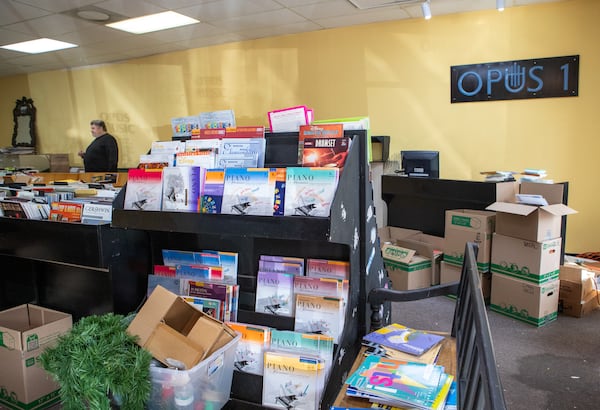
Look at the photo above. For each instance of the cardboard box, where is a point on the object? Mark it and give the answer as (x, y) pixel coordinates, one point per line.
(578, 291)
(391, 234)
(536, 262)
(451, 273)
(534, 223)
(524, 301)
(25, 332)
(169, 327)
(466, 225)
(406, 269)
(427, 246)
(574, 307)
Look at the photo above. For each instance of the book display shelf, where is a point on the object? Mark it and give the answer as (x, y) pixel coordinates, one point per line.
(71, 267)
(350, 233)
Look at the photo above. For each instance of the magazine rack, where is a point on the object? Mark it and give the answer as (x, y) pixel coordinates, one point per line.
(477, 377)
(71, 267)
(350, 233)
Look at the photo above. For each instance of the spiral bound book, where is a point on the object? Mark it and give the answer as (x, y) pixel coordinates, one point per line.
(405, 339)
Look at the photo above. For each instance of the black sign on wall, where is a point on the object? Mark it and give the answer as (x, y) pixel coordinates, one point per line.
(518, 79)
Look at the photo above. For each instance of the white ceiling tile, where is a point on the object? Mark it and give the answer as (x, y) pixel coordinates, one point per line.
(123, 44)
(296, 3)
(282, 17)
(94, 34)
(334, 8)
(13, 12)
(281, 30)
(186, 32)
(227, 9)
(213, 40)
(30, 59)
(130, 8)
(178, 4)
(58, 6)
(160, 49)
(49, 26)
(9, 37)
(363, 18)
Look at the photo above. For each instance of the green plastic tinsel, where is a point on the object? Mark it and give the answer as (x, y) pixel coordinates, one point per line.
(96, 360)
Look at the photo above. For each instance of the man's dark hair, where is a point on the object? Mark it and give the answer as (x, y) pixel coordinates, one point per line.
(99, 123)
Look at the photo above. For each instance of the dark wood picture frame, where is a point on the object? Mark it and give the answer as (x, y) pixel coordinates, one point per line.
(24, 117)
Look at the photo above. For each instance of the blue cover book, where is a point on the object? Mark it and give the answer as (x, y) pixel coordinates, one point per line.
(405, 339)
(249, 191)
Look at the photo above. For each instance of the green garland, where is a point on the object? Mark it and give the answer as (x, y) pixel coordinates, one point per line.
(96, 360)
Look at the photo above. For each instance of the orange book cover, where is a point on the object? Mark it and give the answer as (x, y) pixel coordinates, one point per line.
(66, 212)
(317, 131)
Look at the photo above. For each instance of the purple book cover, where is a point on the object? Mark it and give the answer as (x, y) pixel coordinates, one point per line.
(283, 267)
(317, 286)
(286, 259)
(407, 340)
(275, 293)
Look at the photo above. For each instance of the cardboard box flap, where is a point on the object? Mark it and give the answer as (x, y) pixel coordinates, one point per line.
(29, 327)
(151, 314)
(166, 343)
(392, 233)
(206, 332)
(512, 208)
(552, 192)
(558, 209)
(397, 253)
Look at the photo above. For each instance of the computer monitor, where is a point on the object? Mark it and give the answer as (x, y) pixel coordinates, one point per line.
(424, 164)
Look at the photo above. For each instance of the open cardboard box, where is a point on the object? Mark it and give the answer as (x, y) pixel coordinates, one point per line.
(25, 332)
(170, 328)
(406, 269)
(530, 222)
(424, 245)
(428, 246)
(391, 234)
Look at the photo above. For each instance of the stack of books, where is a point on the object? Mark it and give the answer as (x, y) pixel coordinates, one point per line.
(400, 370)
(206, 279)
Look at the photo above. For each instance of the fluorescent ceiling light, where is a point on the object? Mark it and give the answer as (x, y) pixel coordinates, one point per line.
(41, 45)
(153, 22)
(426, 10)
(500, 5)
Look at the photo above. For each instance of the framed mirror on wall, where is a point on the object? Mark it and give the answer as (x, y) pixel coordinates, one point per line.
(24, 134)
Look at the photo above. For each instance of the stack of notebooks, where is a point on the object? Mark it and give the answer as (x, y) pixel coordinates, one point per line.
(399, 370)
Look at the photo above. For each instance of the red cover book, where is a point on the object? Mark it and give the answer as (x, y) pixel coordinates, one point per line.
(210, 133)
(317, 131)
(245, 132)
(325, 152)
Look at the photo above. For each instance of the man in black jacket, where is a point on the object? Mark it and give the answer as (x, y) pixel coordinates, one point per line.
(102, 155)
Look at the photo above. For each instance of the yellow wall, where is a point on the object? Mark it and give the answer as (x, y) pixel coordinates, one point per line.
(13, 89)
(397, 72)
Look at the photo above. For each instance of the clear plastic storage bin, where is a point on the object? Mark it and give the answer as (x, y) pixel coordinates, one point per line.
(206, 386)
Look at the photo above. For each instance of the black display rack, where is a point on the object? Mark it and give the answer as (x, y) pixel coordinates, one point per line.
(72, 267)
(350, 233)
